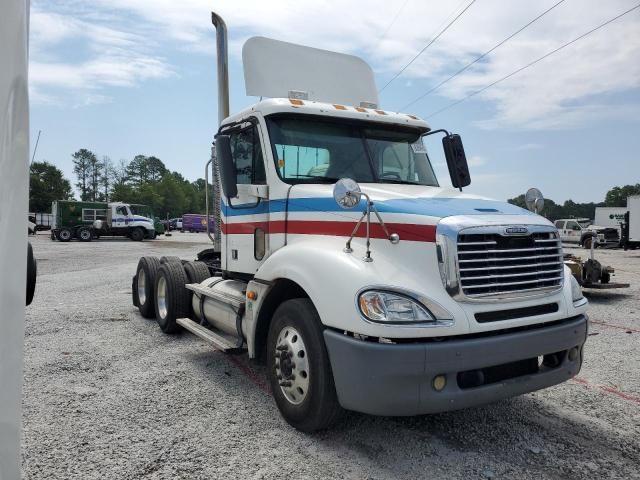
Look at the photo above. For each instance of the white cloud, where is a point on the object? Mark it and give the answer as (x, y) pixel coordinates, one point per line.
(559, 92)
(107, 57)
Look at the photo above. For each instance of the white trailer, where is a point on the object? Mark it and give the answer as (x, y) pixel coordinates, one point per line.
(343, 265)
(631, 227)
(609, 216)
(14, 201)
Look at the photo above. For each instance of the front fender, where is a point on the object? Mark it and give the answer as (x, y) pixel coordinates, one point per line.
(332, 278)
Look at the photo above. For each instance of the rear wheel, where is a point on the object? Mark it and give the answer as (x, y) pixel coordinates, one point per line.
(32, 272)
(137, 234)
(172, 298)
(170, 258)
(65, 234)
(144, 285)
(298, 367)
(84, 234)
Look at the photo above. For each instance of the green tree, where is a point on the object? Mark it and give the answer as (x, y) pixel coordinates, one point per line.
(83, 160)
(617, 196)
(46, 184)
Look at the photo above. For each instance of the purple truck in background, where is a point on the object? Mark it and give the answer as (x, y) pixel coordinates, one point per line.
(197, 222)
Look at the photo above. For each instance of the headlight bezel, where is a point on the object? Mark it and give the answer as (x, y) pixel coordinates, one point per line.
(577, 297)
(439, 316)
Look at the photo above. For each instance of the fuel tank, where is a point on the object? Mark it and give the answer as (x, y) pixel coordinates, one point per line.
(222, 305)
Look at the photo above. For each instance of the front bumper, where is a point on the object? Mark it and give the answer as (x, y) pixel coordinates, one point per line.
(396, 379)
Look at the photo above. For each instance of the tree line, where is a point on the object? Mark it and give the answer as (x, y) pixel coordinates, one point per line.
(144, 179)
(616, 197)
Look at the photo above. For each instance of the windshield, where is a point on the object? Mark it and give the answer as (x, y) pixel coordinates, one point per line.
(311, 151)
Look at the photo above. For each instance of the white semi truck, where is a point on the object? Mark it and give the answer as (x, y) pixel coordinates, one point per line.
(88, 220)
(344, 265)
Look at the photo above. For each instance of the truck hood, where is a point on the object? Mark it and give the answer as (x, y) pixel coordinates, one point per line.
(140, 218)
(404, 199)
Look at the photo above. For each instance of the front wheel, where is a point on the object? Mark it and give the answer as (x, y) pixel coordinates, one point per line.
(137, 234)
(298, 367)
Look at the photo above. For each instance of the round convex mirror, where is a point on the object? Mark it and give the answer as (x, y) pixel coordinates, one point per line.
(346, 193)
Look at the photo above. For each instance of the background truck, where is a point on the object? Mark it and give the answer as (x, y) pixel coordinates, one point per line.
(631, 225)
(609, 216)
(583, 232)
(196, 222)
(341, 263)
(88, 220)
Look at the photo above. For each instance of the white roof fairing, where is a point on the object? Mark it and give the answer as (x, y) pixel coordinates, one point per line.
(273, 69)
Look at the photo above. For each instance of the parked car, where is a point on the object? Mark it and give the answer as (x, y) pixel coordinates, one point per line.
(175, 223)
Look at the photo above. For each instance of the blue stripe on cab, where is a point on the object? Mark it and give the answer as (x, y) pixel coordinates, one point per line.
(430, 206)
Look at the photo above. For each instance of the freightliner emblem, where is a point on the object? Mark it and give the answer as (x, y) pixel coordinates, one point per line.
(516, 230)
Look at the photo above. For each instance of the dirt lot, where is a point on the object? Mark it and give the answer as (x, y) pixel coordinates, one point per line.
(107, 395)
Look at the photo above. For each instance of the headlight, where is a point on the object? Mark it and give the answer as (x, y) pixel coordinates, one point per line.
(576, 290)
(387, 307)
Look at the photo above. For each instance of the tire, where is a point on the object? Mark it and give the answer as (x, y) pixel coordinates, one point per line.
(32, 272)
(586, 243)
(65, 234)
(296, 324)
(137, 234)
(143, 288)
(53, 235)
(170, 259)
(84, 234)
(171, 299)
(196, 272)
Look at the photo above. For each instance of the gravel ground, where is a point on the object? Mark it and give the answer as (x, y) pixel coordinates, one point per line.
(107, 395)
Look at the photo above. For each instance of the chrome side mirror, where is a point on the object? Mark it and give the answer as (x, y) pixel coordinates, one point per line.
(346, 193)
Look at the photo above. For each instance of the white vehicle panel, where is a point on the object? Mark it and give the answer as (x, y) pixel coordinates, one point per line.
(273, 68)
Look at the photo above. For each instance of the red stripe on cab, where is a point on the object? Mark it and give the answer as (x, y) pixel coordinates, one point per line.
(407, 231)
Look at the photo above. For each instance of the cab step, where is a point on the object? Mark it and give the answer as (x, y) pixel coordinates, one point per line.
(218, 341)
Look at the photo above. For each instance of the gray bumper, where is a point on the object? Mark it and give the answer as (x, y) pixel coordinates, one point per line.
(396, 379)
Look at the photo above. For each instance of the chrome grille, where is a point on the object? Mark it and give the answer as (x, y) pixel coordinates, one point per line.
(492, 264)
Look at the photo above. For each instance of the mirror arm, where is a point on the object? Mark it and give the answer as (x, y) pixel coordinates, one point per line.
(440, 130)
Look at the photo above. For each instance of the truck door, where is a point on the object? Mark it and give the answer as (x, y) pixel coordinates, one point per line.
(573, 232)
(560, 226)
(246, 218)
(119, 216)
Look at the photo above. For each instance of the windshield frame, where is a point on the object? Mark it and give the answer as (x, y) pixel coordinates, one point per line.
(357, 123)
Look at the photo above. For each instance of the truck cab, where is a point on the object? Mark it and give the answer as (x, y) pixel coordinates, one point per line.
(344, 264)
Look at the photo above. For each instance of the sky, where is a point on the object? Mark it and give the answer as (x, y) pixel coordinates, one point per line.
(129, 77)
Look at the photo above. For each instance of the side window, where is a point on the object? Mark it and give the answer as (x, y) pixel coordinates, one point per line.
(573, 226)
(247, 157)
(121, 210)
(559, 224)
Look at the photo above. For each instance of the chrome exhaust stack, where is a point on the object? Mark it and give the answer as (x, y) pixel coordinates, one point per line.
(223, 112)
(223, 66)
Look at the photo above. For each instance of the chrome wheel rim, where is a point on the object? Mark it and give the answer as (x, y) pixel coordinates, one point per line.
(161, 296)
(142, 285)
(64, 234)
(85, 234)
(292, 365)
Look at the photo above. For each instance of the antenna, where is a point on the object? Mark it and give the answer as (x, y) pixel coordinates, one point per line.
(36, 147)
(534, 200)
